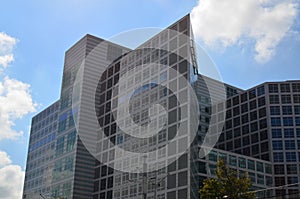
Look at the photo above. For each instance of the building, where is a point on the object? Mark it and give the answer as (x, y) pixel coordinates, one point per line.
(41, 151)
(264, 122)
(112, 100)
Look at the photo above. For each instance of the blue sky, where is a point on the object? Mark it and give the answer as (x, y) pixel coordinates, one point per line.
(44, 30)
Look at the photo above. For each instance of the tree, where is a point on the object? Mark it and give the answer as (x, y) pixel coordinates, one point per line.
(227, 184)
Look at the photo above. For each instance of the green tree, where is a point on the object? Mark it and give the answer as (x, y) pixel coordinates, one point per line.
(227, 184)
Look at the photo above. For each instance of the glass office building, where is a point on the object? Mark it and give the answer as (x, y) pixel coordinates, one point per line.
(263, 122)
(97, 146)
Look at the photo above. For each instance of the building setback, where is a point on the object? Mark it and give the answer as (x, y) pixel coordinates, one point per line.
(72, 156)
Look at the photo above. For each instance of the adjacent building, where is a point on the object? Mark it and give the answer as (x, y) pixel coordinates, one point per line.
(264, 122)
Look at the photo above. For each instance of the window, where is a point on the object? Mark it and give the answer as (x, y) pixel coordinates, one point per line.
(298, 133)
(62, 122)
(213, 156)
(290, 145)
(236, 100)
(242, 162)
(286, 99)
(253, 105)
(268, 168)
(244, 97)
(276, 133)
(262, 112)
(275, 121)
(285, 88)
(263, 135)
(297, 110)
(290, 156)
(263, 124)
(289, 133)
(69, 164)
(297, 98)
(252, 177)
(202, 167)
(236, 121)
(277, 145)
(64, 101)
(57, 168)
(71, 140)
(260, 179)
(244, 108)
(237, 143)
(288, 121)
(163, 76)
(292, 179)
(260, 90)
(232, 160)
(60, 146)
(273, 88)
(254, 127)
(291, 169)
(261, 101)
(287, 110)
(253, 115)
(297, 121)
(278, 182)
(274, 99)
(246, 140)
(236, 111)
(279, 169)
(275, 110)
(296, 87)
(278, 156)
(251, 164)
(245, 118)
(260, 166)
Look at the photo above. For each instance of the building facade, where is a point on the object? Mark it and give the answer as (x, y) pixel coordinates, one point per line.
(264, 122)
(98, 135)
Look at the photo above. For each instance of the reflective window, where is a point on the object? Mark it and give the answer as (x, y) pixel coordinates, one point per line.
(277, 145)
(276, 133)
(288, 121)
(290, 156)
(286, 99)
(287, 110)
(274, 99)
(273, 88)
(251, 164)
(290, 144)
(276, 121)
(242, 162)
(278, 156)
(289, 133)
(275, 110)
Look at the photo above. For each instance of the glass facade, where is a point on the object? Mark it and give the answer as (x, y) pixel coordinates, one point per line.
(261, 132)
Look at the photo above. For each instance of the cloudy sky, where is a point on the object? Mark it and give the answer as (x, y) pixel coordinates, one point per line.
(250, 41)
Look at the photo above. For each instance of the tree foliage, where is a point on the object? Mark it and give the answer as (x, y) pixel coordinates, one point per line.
(227, 184)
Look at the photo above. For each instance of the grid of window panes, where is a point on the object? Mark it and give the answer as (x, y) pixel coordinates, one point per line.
(66, 139)
(135, 66)
(41, 151)
(285, 131)
(259, 171)
(246, 127)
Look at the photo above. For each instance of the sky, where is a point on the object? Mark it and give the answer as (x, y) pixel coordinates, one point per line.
(250, 42)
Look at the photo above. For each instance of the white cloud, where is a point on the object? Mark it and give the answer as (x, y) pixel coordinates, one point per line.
(227, 22)
(7, 44)
(15, 102)
(4, 159)
(11, 179)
